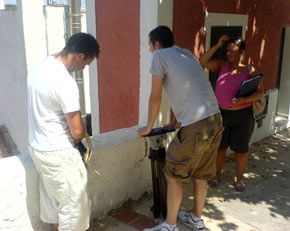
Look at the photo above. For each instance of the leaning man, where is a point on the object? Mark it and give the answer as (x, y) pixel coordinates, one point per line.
(55, 124)
(192, 153)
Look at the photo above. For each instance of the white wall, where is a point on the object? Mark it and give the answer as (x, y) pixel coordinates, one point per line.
(33, 29)
(22, 43)
(17, 56)
(2, 6)
(55, 28)
(13, 112)
(126, 169)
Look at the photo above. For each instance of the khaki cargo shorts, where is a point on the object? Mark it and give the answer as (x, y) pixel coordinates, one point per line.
(192, 153)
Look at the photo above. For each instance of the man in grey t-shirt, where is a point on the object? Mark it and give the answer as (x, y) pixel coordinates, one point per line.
(192, 153)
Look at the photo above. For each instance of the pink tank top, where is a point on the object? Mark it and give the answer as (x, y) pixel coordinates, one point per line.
(227, 86)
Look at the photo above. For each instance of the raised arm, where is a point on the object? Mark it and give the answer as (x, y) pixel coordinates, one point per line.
(213, 65)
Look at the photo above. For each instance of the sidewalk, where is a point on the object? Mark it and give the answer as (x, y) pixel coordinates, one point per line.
(265, 205)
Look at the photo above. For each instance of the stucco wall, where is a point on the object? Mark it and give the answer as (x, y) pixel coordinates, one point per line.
(55, 28)
(13, 112)
(118, 63)
(22, 43)
(127, 172)
(119, 154)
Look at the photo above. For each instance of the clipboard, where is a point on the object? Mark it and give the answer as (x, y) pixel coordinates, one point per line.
(249, 86)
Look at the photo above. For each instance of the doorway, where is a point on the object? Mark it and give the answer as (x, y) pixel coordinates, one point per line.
(216, 33)
(283, 81)
(219, 24)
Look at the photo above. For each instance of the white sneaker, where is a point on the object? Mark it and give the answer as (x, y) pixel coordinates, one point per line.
(162, 227)
(191, 221)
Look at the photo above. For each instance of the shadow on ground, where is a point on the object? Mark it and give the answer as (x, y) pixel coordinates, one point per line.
(266, 200)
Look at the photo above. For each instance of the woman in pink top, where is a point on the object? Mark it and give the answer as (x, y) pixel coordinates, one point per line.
(237, 114)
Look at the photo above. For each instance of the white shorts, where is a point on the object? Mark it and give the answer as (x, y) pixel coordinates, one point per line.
(63, 188)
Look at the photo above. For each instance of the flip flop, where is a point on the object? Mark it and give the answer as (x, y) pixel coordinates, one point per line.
(240, 186)
(213, 183)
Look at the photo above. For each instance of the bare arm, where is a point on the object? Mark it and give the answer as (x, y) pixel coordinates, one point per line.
(76, 126)
(213, 65)
(255, 96)
(154, 104)
(173, 121)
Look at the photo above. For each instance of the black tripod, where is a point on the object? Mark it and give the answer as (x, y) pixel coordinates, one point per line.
(157, 157)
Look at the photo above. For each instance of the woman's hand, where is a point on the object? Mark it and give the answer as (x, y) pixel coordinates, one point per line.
(206, 60)
(240, 100)
(222, 40)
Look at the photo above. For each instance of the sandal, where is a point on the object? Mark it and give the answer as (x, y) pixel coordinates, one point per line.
(240, 186)
(213, 183)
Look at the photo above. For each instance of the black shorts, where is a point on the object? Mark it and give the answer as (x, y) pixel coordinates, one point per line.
(238, 129)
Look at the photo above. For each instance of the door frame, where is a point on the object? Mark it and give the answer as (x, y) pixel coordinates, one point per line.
(283, 81)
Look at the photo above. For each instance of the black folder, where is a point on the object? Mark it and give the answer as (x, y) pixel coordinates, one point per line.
(249, 86)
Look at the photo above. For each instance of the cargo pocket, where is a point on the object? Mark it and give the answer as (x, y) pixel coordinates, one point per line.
(202, 142)
(177, 169)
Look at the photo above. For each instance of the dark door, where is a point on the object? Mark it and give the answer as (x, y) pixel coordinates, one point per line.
(216, 33)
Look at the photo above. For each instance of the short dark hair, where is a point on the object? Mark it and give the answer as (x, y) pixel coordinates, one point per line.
(239, 42)
(82, 43)
(163, 35)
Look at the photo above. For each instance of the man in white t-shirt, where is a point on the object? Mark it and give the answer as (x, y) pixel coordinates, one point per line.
(55, 124)
(192, 153)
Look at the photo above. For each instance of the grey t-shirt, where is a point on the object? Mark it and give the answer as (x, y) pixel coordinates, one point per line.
(189, 93)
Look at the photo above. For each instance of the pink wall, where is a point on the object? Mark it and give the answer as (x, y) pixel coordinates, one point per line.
(118, 32)
(263, 38)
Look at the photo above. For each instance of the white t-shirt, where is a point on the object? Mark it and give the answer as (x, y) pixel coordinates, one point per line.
(189, 93)
(51, 92)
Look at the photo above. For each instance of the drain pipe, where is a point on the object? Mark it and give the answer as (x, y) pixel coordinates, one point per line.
(75, 27)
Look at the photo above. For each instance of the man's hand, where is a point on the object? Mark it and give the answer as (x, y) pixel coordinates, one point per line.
(144, 131)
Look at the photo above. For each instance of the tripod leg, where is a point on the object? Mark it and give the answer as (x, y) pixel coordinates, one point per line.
(156, 205)
(162, 188)
(163, 193)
